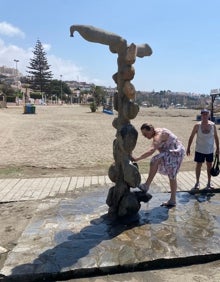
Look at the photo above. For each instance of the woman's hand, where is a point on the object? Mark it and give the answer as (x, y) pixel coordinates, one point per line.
(133, 159)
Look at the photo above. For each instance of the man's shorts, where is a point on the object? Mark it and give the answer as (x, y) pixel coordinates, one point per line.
(200, 158)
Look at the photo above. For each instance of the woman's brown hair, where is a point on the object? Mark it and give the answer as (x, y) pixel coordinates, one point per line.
(147, 126)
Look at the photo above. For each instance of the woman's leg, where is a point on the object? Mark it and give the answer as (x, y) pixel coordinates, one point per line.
(173, 188)
(153, 170)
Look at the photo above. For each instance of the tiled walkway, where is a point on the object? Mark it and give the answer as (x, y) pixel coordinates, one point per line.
(39, 188)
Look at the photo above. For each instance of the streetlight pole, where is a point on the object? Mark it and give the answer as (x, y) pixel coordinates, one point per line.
(61, 88)
(16, 80)
(16, 66)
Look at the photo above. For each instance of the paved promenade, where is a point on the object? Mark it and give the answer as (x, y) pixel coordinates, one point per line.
(70, 237)
(39, 188)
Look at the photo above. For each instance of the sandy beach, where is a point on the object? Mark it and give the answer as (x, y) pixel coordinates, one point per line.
(71, 140)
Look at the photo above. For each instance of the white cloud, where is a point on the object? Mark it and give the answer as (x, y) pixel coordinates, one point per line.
(10, 30)
(46, 47)
(69, 71)
(58, 66)
(8, 53)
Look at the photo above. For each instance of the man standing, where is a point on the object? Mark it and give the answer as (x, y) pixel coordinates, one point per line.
(204, 151)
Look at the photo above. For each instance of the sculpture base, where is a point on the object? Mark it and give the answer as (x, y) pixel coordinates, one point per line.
(128, 205)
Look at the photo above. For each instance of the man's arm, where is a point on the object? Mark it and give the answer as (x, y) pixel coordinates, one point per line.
(216, 140)
(192, 135)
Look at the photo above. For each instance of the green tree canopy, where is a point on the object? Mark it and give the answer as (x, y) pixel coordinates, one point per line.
(39, 69)
(99, 95)
(6, 89)
(56, 86)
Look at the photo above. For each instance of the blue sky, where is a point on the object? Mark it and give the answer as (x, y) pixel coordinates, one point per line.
(183, 34)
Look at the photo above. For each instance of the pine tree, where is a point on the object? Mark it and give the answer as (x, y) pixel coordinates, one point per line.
(39, 69)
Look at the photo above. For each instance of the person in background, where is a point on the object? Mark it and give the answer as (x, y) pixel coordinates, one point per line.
(206, 136)
(168, 161)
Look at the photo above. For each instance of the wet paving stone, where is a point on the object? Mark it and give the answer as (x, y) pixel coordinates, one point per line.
(75, 236)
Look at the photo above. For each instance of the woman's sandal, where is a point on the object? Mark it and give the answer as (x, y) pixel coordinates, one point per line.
(168, 204)
(143, 187)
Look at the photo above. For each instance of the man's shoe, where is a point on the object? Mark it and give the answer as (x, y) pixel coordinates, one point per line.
(195, 188)
(209, 186)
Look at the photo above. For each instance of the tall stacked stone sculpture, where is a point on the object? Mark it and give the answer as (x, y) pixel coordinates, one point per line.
(121, 200)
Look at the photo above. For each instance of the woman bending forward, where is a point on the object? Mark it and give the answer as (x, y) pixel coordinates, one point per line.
(167, 162)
